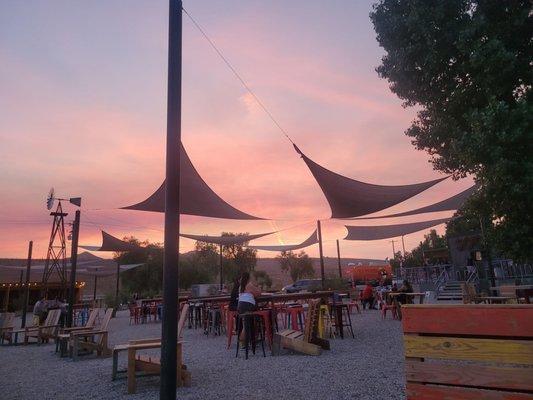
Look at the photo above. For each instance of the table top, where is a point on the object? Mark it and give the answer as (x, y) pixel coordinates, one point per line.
(269, 297)
(496, 298)
(392, 294)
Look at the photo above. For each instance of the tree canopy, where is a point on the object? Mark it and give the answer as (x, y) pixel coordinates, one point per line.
(298, 265)
(466, 65)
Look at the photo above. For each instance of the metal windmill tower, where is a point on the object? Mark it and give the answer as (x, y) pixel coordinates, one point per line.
(56, 256)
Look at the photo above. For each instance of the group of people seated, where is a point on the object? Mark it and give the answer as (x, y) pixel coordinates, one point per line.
(369, 295)
(41, 307)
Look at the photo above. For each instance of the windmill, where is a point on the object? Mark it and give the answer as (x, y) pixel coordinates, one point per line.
(56, 256)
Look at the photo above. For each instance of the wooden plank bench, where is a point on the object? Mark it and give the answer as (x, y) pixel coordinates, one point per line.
(470, 352)
(150, 365)
(306, 342)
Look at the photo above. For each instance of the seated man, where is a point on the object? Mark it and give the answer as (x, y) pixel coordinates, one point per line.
(367, 296)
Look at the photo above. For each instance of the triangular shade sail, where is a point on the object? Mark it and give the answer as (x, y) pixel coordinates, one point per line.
(224, 240)
(350, 198)
(451, 203)
(313, 239)
(389, 231)
(111, 243)
(196, 197)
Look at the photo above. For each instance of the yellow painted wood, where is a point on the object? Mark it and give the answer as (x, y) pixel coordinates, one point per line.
(490, 350)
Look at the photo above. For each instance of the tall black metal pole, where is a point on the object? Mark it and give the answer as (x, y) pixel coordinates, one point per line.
(169, 328)
(339, 258)
(27, 291)
(73, 265)
(319, 230)
(118, 283)
(221, 261)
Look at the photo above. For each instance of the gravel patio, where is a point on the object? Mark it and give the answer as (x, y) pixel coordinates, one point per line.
(367, 367)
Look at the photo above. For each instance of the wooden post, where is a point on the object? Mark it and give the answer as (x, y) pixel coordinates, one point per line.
(169, 329)
(322, 275)
(339, 259)
(221, 260)
(73, 265)
(27, 291)
(116, 289)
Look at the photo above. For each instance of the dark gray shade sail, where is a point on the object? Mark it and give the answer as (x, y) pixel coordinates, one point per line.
(389, 231)
(449, 204)
(349, 198)
(225, 240)
(313, 239)
(111, 243)
(196, 197)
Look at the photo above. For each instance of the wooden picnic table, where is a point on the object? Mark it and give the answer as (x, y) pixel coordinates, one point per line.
(150, 365)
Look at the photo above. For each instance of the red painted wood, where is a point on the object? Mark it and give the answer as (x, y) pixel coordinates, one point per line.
(416, 391)
(489, 320)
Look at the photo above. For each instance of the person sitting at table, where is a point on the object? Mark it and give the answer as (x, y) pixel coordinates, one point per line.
(248, 291)
(367, 296)
(234, 296)
(406, 288)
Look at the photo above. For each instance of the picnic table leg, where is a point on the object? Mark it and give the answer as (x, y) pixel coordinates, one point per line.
(115, 366)
(179, 382)
(75, 344)
(131, 371)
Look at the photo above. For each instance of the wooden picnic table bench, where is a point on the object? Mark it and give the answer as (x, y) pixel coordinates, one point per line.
(468, 351)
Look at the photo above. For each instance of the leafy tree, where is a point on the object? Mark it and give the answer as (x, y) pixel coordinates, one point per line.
(243, 258)
(298, 266)
(466, 65)
(263, 279)
(146, 279)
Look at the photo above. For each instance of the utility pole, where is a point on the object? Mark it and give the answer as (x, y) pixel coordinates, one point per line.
(322, 275)
(169, 328)
(73, 265)
(27, 291)
(339, 259)
(393, 250)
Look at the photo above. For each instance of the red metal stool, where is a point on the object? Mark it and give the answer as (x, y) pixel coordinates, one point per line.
(295, 316)
(230, 324)
(267, 323)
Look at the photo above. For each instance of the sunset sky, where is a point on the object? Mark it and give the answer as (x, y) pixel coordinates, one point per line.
(83, 109)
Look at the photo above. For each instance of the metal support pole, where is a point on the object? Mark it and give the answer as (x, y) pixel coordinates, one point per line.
(393, 250)
(73, 265)
(339, 259)
(27, 291)
(169, 329)
(221, 260)
(116, 289)
(319, 230)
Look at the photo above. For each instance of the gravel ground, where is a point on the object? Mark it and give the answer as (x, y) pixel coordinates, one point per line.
(367, 367)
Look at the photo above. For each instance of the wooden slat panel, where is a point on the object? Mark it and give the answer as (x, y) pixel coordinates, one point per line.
(482, 320)
(416, 391)
(491, 350)
(470, 375)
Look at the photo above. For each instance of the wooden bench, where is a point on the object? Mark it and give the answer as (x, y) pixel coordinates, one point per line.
(7, 324)
(150, 365)
(475, 352)
(306, 342)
